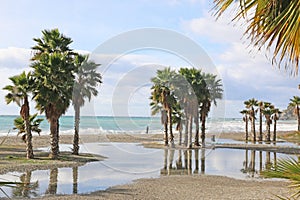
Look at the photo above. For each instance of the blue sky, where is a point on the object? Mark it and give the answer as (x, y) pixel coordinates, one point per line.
(245, 72)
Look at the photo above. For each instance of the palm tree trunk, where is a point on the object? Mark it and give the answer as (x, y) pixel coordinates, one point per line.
(54, 138)
(268, 139)
(197, 130)
(25, 116)
(203, 121)
(180, 133)
(260, 126)
(190, 131)
(298, 117)
(170, 125)
(275, 127)
(166, 133)
(186, 125)
(76, 131)
(246, 128)
(253, 124)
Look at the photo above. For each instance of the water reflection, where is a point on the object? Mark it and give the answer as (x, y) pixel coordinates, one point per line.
(122, 168)
(185, 164)
(249, 167)
(26, 188)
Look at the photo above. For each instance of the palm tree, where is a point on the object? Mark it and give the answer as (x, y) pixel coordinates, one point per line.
(295, 102)
(212, 93)
(54, 69)
(34, 125)
(86, 81)
(18, 92)
(268, 112)
(246, 119)
(274, 23)
(275, 117)
(185, 85)
(162, 94)
(261, 108)
(251, 104)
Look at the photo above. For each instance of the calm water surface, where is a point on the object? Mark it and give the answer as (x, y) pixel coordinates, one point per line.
(129, 161)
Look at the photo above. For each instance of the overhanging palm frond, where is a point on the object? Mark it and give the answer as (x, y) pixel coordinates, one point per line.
(288, 169)
(274, 23)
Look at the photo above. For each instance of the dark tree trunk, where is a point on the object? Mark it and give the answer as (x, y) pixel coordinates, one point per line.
(170, 125)
(190, 131)
(186, 132)
(25, 115)
(164, 121)
(76, 131)
(275, 130)
(197, 129)
(203, 121)
(54, 138)
(260, 126)
(246, 128)
(298, 117)
(268, 138)
(253, 124)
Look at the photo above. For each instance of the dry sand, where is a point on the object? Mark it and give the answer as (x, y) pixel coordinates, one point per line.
(189, 187)
(170, 187)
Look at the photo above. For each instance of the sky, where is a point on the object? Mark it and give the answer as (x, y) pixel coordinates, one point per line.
(132, 39)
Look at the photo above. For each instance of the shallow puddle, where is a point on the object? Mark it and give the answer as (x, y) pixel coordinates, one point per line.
(129, 161)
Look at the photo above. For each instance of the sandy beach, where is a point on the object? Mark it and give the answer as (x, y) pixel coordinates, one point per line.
(174, 187)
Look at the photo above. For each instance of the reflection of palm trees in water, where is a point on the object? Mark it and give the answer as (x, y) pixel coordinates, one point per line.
(26, 188)
(75, 180)
(250, 167)
(184, 163)
(52, 187)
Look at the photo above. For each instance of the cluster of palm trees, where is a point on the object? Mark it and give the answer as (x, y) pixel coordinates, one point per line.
(184, 98)
(266, 110)
(59, 77)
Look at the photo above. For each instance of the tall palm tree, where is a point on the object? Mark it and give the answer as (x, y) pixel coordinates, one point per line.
(251, 104)
(192, 87)
(18, 92)
(260, 108)
(246, 119)
(275, 118)
(53, 72)
(295, 103)
(162, 94)
(268, 112)
(212, 93)
(275, 23)
(86, 81)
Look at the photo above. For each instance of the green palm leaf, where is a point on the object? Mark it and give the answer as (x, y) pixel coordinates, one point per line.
(287, 169)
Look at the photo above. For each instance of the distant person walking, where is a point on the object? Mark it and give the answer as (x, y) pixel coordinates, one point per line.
(147, 129)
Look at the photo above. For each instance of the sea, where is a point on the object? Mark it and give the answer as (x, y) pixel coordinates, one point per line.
(133, 125)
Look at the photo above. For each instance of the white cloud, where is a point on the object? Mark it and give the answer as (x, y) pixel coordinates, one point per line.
(13, 57)
(217, 31)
